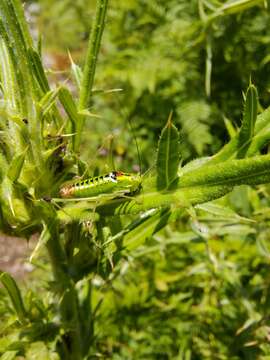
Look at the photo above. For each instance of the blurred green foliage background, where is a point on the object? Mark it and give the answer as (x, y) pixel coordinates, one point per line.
(200, 288)
(165, 57)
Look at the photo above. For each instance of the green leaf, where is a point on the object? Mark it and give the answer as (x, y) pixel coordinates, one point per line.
(15, 167)
(70, 106)
(71, 110)
(80, 211)
(7, 195)
(19, 11)
(139, 234)
(9, 355)
(48, 100)
(13, 86)
(176, 239)
(230, 128)
(76, 72)
(168, 156)
(15, 296)
(249, 119)
(261, 138)
(86, 112)
(38, 70)
(262, 245)
(39, 350)
(194, 117)
(135, 234)
(15, 30)
(43, 239)
(222, 212)
(233, 7)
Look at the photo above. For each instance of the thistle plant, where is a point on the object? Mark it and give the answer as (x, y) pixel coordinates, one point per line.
(87, 238)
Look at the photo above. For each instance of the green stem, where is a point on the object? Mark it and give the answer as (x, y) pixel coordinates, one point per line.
(90, 64)
(69, 307)
(197, 186)
(182, 198)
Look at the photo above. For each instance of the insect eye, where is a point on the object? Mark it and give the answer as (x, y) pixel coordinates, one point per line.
(112, 175)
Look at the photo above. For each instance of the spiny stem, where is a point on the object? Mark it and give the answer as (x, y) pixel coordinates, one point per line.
(197, 186)
(68, 305)
(90, 64)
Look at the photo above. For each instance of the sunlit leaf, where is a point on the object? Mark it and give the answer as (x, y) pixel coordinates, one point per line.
(38, 70)
(168, 156)
(222, 212)
(43, 238)
(137, 236)
(15, 167)
(249, 118)
(69, 105)
(48, 100)
(76, 72)
(15, 295)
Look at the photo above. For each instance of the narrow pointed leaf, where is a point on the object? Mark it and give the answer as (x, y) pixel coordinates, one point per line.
(38, 70)
(70, 108)
(260, 139)
(18, 10)
(48, 101)
(233, 7)
(69, 105)
(6, 194)
(9, 355)
(12, 85)
(76, 72)
(142, 232)
(223, 212)
(43, 239)
(136, 233)
(249, 119)
(167, 156)
(16, 33)
(230, 128)
(15, 295)
(86, 112)
(15, 167)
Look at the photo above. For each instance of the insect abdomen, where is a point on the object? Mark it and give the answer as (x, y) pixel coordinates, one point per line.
(88, 188)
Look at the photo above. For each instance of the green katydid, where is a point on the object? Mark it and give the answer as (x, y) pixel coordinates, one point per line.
(116, 182)
(111, 185)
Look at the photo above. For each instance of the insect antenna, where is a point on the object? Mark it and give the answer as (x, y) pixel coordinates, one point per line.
(124, 116)
(136, 144)
(111, 157)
